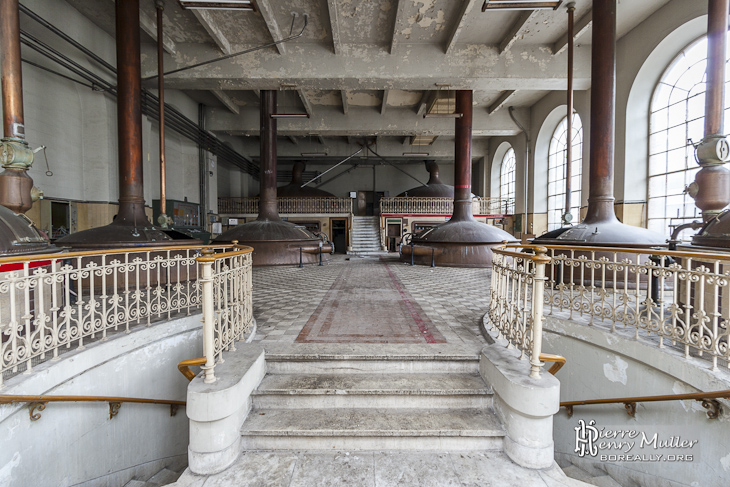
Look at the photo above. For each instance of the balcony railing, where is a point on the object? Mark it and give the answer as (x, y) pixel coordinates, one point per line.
(672, 299)
(407, 205)
(287, 205)
(227, 303)
(53, 303)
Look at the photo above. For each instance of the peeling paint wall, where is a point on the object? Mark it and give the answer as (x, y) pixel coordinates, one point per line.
(595, 369)
(76, 443)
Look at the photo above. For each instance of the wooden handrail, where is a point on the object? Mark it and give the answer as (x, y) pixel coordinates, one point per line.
(184, 366)
(38, 403)
(126, 250)
(558, 360)
(707, 399)
(629, 250)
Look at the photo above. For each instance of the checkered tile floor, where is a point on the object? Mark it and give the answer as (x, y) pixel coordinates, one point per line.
(286, 297)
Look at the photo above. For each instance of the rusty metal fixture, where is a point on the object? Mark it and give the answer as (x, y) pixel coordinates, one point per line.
(19, 236)
(462, 241)
(130, 227)
(295, 189)
(164, 219)
(600, 227)
(274, 242)
(433, 188)
(15, 155)
(711, 187)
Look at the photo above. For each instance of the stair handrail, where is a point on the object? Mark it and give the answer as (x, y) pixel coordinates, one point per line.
(38, 403)
(558, 361)
(708, 399)
(227, 315)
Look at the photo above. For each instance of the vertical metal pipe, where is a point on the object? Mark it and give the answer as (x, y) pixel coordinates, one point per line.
(569, 147)
(12, 80)
(717, 22)
(129, 110)
(267, 199)
(160, 5)
(462, 157)
(203, 171)
(711, 187)
(603, 106)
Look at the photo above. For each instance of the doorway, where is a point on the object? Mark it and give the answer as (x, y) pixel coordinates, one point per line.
(338, 234)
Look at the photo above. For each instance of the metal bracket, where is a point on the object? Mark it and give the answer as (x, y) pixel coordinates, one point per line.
(630, 408)
(40, 406)
(713, 407)
(173, 409)
(114, 409)
(569, 410)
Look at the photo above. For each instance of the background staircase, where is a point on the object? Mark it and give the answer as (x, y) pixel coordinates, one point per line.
(166, 476)
(365, 235)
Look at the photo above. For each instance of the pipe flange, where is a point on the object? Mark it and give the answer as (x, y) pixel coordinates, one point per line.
(713, 150)
(15, 154)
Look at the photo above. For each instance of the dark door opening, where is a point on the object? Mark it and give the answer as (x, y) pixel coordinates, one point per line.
(338, 234)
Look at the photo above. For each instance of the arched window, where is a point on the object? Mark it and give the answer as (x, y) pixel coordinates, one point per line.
(507, 176)
(677, 120)
(557, 158)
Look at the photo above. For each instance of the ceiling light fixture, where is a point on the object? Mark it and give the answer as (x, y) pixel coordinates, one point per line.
(416, 154)
(289, 115)
(314, 154)
(245, 5)
(520, 5)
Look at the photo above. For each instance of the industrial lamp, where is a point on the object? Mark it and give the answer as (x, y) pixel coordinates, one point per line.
(520, 5)
(245, 5)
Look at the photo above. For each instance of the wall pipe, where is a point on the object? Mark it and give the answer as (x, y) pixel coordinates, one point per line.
(163, 219)
(527, 165)
(567, 216)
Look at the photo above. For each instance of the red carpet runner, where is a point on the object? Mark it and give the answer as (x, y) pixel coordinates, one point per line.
(368, 304)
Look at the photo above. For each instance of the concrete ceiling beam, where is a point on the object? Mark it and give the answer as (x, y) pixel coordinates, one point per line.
(580, 28)
(211, 27)
(461, 22)
(372, 69)
(267, 12)
(517, 29)
(501, 100)
(305, 101)
(329, 121)
(334, 26)
(226, 100)
(345, 103)
(385, 102)
(398, 25)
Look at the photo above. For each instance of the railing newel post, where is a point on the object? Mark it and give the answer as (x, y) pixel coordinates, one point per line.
(540, 259)
(206, 279)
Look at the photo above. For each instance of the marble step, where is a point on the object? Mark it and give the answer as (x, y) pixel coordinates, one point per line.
(293, 391)
(371, 363)
(163, 477)
(372, 429)
(379, 469)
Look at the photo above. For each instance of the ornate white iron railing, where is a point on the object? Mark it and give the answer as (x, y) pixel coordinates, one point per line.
(681, 299)
(669, 298)
(408, 205)
(59, 302)
(516, 304)
(227, 303)
(288, 205)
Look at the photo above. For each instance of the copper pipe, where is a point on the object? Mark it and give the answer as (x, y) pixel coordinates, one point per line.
(161, 95)
(12, 79)
(268, 209)
(129, 111)
(569, 148)
(462, 157)
(717, 16)
(603, 107)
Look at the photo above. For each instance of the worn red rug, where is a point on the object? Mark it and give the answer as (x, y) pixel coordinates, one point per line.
(367, 303)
